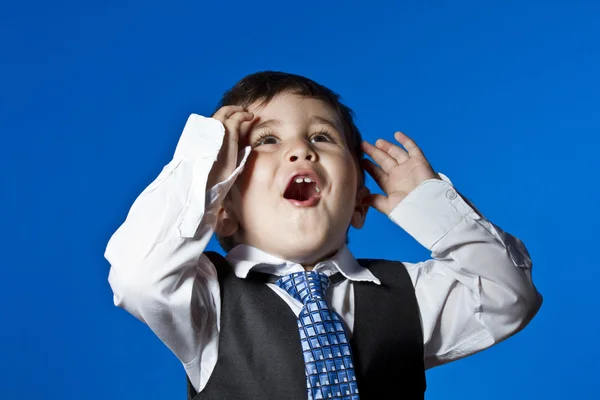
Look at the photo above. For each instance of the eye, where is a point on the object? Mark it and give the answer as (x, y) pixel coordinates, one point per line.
(323, 136)
(265, 138)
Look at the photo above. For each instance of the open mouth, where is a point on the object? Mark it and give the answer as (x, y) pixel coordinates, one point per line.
(303, 189)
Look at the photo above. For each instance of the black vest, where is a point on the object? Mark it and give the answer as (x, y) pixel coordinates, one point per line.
(259, 346)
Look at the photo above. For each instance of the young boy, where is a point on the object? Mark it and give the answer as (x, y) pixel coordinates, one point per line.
(289, 313)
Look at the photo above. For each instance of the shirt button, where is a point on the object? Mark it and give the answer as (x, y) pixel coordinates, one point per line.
(451, 194)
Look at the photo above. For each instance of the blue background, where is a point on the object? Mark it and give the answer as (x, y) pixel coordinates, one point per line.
(503, 98)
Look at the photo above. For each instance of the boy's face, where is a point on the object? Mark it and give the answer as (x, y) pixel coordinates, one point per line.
(298, 193)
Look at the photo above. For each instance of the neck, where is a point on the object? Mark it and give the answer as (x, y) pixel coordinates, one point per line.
(311, 266)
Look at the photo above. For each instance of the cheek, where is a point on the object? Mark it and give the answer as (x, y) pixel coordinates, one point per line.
(347, 179)
(256, 178)
(346, 173)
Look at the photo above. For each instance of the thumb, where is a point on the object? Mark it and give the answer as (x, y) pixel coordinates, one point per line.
(378, 202)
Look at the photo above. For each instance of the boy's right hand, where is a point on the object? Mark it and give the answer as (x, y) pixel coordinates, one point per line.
(236, 121)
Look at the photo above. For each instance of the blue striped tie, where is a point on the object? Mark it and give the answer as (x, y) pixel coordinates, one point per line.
(327, 356)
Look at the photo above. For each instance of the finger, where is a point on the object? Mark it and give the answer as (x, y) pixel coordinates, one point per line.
(232, 138)
(378, 202)
(233, 123)
(409, 144)
(224, 113)
(385, 161)
(246, 123)
(377, 173)
(393, 150)
(232, 128)
(241, 116)
(245, 128)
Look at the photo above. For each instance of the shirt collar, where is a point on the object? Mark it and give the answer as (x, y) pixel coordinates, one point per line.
(244, 258)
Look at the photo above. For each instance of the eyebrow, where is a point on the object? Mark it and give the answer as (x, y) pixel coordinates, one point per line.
(325, 121)
(266, 124)
(270, 123)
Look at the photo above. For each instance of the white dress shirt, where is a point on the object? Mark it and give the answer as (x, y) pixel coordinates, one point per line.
(475, 291)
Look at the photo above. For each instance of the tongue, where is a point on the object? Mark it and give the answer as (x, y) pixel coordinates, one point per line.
(300, 191)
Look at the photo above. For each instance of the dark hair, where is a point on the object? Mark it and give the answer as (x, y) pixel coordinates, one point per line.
(262, 87)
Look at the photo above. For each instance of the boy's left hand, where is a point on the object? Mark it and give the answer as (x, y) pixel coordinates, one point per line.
(398, 173)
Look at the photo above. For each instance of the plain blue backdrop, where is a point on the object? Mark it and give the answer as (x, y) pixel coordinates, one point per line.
(503, 98)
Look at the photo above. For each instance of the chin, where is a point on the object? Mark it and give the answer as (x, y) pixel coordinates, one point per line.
(309, 251)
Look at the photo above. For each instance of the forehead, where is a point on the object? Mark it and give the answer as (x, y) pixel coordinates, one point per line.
(290, 108)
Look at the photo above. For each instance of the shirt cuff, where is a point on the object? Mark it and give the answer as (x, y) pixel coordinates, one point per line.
(200, 142)
(216, 194)
(431, 210)
(202, 138)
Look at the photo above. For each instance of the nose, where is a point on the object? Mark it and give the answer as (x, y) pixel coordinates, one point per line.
(301, 150)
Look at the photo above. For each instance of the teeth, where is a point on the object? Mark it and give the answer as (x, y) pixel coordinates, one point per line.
(305, 179)
(301, 179)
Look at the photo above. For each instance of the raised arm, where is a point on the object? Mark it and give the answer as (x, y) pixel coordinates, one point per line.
(158, 272)
(477, 289)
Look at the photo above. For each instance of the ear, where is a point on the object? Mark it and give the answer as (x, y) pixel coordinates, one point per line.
(227, 224)
(360, 208)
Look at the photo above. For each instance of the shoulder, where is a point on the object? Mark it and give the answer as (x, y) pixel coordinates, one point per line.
(377, 264)
(387, 271)
(214, 256)
(222, 266)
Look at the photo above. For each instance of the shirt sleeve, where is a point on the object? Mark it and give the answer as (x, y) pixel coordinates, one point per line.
(158, 271)
(477, 289)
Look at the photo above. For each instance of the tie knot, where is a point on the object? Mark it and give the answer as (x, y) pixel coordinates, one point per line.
(305, 286)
